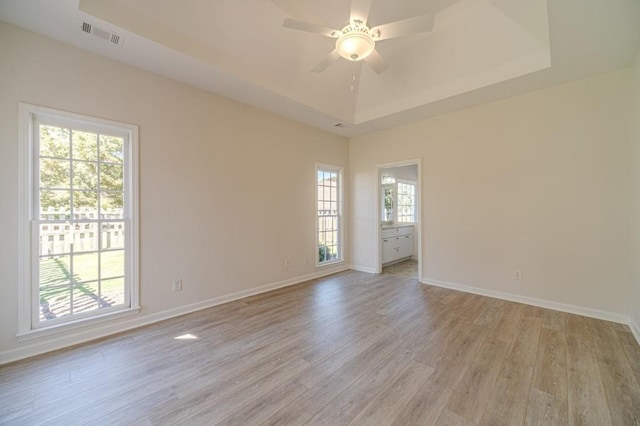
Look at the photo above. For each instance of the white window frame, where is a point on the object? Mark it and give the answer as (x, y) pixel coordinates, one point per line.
(28, 307)
(340, 172)
(397, 198)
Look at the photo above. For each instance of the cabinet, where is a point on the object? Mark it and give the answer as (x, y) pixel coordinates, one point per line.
(397, 243)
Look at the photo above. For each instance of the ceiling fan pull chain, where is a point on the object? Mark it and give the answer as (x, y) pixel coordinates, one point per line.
(353, 75)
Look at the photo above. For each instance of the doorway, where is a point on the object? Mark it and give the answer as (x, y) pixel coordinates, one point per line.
(398, 219)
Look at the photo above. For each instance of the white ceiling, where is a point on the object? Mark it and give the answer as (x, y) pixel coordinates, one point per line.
(478, 51)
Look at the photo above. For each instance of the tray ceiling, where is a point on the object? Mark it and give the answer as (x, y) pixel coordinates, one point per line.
(478, 51)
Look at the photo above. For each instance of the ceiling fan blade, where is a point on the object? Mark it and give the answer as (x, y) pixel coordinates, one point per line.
(310, 28)
(324, 64)
(375, 61)
(405, 27)
(294, 9)
(360, 10)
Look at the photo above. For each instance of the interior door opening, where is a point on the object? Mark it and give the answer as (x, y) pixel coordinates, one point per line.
(398, 219)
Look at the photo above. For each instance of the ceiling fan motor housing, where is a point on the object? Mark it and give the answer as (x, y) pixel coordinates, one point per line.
(355, 43)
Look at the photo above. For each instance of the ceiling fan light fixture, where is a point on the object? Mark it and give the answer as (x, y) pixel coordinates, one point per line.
(355, 43)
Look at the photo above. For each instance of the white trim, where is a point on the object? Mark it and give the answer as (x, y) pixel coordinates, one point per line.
(341, 219)
(134, 217)
(417, 226)
(556, 306)
(330, 264)
(28, 308)
(416, 200)
(361, 268)
(74, 325)
(87, 334)
(25, 180)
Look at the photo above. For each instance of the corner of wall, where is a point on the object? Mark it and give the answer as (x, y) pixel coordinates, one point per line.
(635, 329)
(635, 151)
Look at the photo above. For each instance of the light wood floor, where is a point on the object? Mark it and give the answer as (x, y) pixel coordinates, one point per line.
(352, 348)
(407, 269)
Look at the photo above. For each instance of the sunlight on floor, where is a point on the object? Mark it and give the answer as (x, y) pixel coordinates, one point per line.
(187, 336)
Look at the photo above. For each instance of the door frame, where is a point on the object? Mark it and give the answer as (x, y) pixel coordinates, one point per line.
(377, 201)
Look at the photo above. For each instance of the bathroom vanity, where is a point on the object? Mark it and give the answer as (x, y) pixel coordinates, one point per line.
(397, 243)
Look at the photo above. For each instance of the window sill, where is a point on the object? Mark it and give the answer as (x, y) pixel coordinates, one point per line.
(74, 325)
(332, 263)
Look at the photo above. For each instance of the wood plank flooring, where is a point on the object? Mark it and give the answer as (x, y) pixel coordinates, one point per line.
(349, 349)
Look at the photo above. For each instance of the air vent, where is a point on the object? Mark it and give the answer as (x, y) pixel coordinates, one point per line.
(103, 34)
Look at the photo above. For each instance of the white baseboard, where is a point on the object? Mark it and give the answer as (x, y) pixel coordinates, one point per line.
(572, 309)
(87, 334)
(363, 269)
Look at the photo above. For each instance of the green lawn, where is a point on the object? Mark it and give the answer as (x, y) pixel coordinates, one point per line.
(56, 281)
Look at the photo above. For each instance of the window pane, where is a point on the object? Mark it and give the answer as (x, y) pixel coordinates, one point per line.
(323, 224)
(85, 175)
(54, 287)
(54, 173)
(112, 292)
(55, 302)
(55, 205)
(54, 142)
(85, 146)
(322, 237)
(113, 235)
(85, 297)
(322, 253)
(54, 271)
(85, 204)
(111, 205)
(54, 239)
(111, 149)
(85, 267)
(111, 177)
(112, 264)
(333, 252)
(85, 237)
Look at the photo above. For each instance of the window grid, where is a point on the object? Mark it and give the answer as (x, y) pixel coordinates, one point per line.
(406, 193)
(329, 215)
(60, 266)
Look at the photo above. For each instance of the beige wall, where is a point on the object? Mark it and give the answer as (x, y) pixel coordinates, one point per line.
(226, 190)
(539, 182)
(636, 195)
(403, 172)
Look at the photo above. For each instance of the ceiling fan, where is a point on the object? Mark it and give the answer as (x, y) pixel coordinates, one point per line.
(356, 41)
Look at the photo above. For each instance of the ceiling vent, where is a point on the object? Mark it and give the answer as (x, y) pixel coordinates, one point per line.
(338, 125)
(103, 34)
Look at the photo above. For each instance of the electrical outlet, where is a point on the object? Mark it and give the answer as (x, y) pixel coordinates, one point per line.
(287, 263)
(517, 274)
(177, 284)
(305, 260)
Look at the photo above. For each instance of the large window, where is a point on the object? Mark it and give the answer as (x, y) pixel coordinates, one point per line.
(80, 186)
(329, 213)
